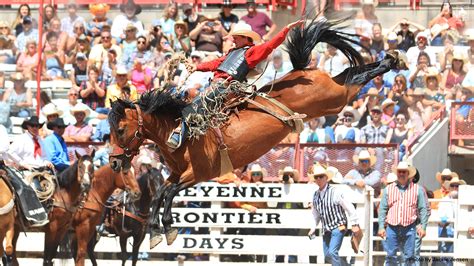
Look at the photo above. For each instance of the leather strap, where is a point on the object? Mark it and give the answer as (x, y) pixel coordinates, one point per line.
(131, 215)
(226, 164)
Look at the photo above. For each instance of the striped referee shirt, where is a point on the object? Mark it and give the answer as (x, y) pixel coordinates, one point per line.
(329, 207)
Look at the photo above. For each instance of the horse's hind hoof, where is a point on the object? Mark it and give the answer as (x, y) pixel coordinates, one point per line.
(155, 240)
(171, 236)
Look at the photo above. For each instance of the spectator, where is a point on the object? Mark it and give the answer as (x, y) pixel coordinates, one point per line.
(389, 77)
(51, 113)
(122, 89)
(392, 41)
(388, 112)
(379, 84)
(445, 22)
(445, 57)
(259, 21)
(435, 96)
(142, 50)
(129, 45)
(161, 50)
(26, 151)
(365, 18)
(374, 132)
(78, 74)
(99, 20)
(27, 34)
(191, 17)
(55, 146)
(180, 38)
(330, 207)
(80, 131)
(102, 129)
(454, 75)
(79, 34)
(19, 97)
(62, 37)
(92, 92)
(198, 80)
(154, 33)
(418, 73)
(398, 93)
(207, 37)
(170, 16)
(421, 46)
(99, 51)
(141, 76)
(109, 66)
(73, 95)
(401, 134)
(277, 68)
(54, 59)
(226, 17)
(333, 61)
(365, 174)
(129, 10)
(49, 12)
(417, 111)
(315, 132)
(403, 202)
(470, 50)
(443, 178)
(67, 23)
(101, 156)
(346, 118)
(372, 98)
(463, 112)
(377, 46)
(27, 62)
(23, 11)
(7, 44)
(447, 212)
(407, 37)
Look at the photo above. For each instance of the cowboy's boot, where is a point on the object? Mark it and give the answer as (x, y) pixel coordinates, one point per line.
(176, 138)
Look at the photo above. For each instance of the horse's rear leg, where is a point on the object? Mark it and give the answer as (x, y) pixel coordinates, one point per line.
(171, 233)
(155, 231)
(123, 248)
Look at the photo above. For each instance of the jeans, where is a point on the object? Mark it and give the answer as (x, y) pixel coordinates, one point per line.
(403, 239)
(332, 241)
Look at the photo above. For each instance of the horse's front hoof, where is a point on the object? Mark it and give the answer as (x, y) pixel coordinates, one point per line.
(171, 236)
(155, 240)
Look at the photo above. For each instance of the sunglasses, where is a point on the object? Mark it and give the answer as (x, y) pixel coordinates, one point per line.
(164, 43)
(364, 161)
(73, 94)
(398, 81)
(422, 39)
(256, 174)
(141, 42)
(78, 28)
(375, 112)
(121, 75)
(130, 30)
(34, 126)
(105, 37)
(446, 178)
(319, 176)
(3, 28)
(401, 120)
(454, 185)
(404, 24)
(402, 171)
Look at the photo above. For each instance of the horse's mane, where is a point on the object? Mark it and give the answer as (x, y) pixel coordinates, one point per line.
(301, 41)
(153, 102)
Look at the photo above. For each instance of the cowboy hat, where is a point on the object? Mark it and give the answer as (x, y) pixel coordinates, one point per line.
(387, 102)
(244, 29)
(336, 177)
(80, 107)
(318, 169)
(256, 168)
(182, 23)
(33, 121)
(289, 170)
(17, 76)
(445, 172)
(432, 72)
(406, 166)
(455, 180)
(227, 3)
(130, 26)
(391, 177)
(373, 92)
(393, 37)
(350, 109)
(131, 4)
(364, 155)
(58, 122)
(459, 55)
(51, 109)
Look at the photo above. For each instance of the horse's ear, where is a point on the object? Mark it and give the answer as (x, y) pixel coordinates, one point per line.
(93, 154)
(78, 156)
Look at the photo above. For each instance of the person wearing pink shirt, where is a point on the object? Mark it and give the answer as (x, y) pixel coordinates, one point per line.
(80, 131)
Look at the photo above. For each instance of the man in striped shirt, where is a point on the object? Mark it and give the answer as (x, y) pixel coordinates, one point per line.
(402, 203)
(329, 207)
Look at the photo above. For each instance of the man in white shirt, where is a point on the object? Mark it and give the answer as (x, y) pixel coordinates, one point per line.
(421, 45)
(277, 67)
(99, 51)
(67, 23)
(333, 61)
(129, 10)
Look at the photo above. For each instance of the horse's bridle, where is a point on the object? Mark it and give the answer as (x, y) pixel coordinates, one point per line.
(137, 139)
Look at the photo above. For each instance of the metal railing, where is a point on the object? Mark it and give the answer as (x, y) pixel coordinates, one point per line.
(435, 117)
(461, 122)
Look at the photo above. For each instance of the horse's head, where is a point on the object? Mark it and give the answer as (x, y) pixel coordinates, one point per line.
(126, 137)
(85, 170)
(128, 182)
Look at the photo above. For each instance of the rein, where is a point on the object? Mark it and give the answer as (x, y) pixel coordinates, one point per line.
(135, 141)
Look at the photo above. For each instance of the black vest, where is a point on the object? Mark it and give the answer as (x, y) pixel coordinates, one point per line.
(235, 64)
(331, 213)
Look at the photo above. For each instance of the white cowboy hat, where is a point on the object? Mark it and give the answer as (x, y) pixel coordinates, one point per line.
(257, 168)
(364, 155)
(391, 177)
(80, 107)
(317, 169)
(289, 170)
(244, 29)
(392, 36)
(459, 55)
(445, 172)
(406, 166)
(350, 109)
(455, 180)
(432, 72)
(51, 109)
(387, 102)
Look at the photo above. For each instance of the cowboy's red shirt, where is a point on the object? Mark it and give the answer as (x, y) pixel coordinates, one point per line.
(254, 55)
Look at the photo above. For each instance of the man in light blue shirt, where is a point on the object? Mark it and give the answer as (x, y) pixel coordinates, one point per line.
(365, 174)
(55, 147)
(27, 34)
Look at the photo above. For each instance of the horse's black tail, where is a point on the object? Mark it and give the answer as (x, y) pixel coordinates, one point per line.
(301, 41)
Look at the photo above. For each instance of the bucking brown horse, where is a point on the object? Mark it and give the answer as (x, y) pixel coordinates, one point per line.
(251, 132)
